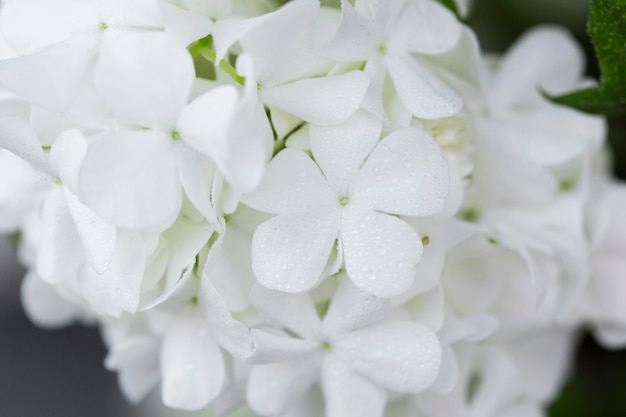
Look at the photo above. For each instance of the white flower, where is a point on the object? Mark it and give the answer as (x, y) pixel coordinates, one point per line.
(348, 200)
(353, 355)
(135, 178)
(385, 35)
(545, 58)
(59, 39)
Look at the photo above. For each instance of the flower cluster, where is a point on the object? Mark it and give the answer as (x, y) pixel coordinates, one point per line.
(311, 210)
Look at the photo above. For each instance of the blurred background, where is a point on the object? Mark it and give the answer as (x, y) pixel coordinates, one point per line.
(60, 373)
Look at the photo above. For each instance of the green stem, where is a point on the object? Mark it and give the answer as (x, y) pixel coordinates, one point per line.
(209, 54)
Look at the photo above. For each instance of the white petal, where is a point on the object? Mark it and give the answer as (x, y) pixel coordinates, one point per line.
(425, 27)
(289, 253)
(232, 273)
(448, 376)
(295, 312)
(406, 174)
(66, 157)
(545, 57)
(551, 135)
(276, 346)
(66, 63)
(30, 25)
(22, 189)
(292, 184)
(323, 101)
(136, 360)
(524, 409)
(131, 179)
(211, 125)
(186, 238)
(423, 94)
(117, 290)
(196, 175)
(399, 355)
(347, 393)
(231, 334)
(44, 306)
(204, 124)
(279, 58)
(428, 308)
(544, 360)
(352, 308)
(380, 252)
(499, 383)
(19, 138)
(192, 364)
(273, 388)
(139, 13)
(97, 236)
(340, 150)
(173, 288)
(185, 26)
(60, 253)
(505, 173)
(151, 98)
(355, 39)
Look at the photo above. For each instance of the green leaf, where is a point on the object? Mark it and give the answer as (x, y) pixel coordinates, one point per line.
(607, 29)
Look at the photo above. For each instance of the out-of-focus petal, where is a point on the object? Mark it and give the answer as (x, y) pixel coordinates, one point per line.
(352, 308)
(131, 179)
(66, 63)
(399, 355)
(30, 25)
(43, 304)
(151, 98)
(192, 364)
(347, 393)
(295, 312)
(545, 57)
(19, 138)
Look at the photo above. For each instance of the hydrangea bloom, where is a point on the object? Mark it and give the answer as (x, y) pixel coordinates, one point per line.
(311, 210)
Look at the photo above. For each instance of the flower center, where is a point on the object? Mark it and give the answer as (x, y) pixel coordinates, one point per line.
(103, 26)
(344, 200)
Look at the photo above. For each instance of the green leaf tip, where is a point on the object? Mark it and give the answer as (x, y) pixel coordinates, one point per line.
(607, 29)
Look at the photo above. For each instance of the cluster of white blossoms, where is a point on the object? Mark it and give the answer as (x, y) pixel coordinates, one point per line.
(313, 210)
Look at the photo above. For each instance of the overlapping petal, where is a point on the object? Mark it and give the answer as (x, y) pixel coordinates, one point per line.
(349, 394)
(272, 388)
(341, 149)
(131, 179)
(423, 93)
(322, 101)
(292, 184)
(192, 364)
(152, 98)
(399, 355)
(352, 308)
